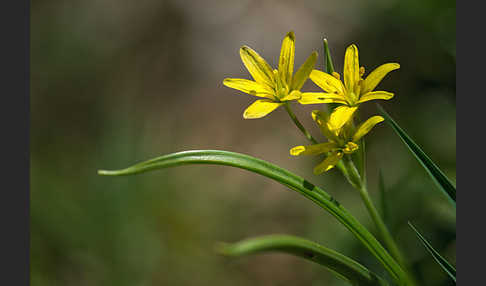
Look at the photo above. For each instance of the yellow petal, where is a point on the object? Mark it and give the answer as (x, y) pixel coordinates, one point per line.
(257, 66)
(249, 86)
(375, 95)
(286, 60)
(303, 72)
(351, 68)
(340, 116)
(321, 97)
(313, 149)
(260, 108)
(374, 78)
(327, 82)
(321, 118)
(293, 95)
(366, 126)
(328, 163)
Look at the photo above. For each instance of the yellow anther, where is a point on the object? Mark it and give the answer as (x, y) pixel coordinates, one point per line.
(336, 75)
(350, 147)
(275, 74)
(361, 71)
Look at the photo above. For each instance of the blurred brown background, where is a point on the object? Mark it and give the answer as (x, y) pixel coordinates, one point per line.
(117, 82)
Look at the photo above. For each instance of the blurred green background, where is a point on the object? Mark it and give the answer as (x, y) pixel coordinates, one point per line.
(117, 82)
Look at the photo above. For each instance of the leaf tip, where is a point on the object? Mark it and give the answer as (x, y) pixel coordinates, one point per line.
(108, 173)
(223, 248)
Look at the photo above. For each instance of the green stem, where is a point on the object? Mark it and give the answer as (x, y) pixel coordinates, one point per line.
(357, 182)
(384, 233)
(380, 225)
(298, 124)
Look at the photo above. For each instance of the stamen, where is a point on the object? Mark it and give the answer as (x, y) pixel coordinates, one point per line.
(350, 147)
(336, 75)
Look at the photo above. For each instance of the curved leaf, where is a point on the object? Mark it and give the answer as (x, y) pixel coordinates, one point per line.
(343, 266)
(446, 266)
(441, 180)
(294, 182)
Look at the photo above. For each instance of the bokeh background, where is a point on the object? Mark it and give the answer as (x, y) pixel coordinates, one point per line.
(115, 82)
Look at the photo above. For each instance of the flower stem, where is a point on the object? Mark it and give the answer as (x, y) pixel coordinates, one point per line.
(298, 124)
(359, 183)
(384, 233)
(383, 230)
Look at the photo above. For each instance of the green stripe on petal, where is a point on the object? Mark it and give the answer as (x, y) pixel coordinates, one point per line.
(328, 163)
(375, 77)
(249, 86)
(313, 149)
(327, 82)
(286, 60)
(321, 97)
(351, 68)
(257, 66)
(366, 127)
(260, 108)
(304, 71)
(375, 95)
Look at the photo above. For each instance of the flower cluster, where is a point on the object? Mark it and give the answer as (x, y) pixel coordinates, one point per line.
(341, 141)
(278, 87)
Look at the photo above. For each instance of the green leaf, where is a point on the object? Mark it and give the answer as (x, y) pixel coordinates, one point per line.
(446, 266)
(343, 266)
(383, 197)
(444, 184)
(328, 66)
(292, 181)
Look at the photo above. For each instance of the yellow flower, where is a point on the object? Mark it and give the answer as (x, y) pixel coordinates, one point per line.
(276, 87)
(340, 142)
(354, 91)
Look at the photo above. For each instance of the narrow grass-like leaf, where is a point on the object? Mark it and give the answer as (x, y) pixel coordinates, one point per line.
(383, 197)
(292, 181)
(446, 266)
(343, 266)
(441, 180)
(328, 66)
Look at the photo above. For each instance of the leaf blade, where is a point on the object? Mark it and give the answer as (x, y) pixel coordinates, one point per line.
(444, 264)
(383, 197)
(289, 179)
(439, 178)
(343, 266)
(328, 66)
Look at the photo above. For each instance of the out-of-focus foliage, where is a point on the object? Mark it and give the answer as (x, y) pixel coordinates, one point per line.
(117, 82)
